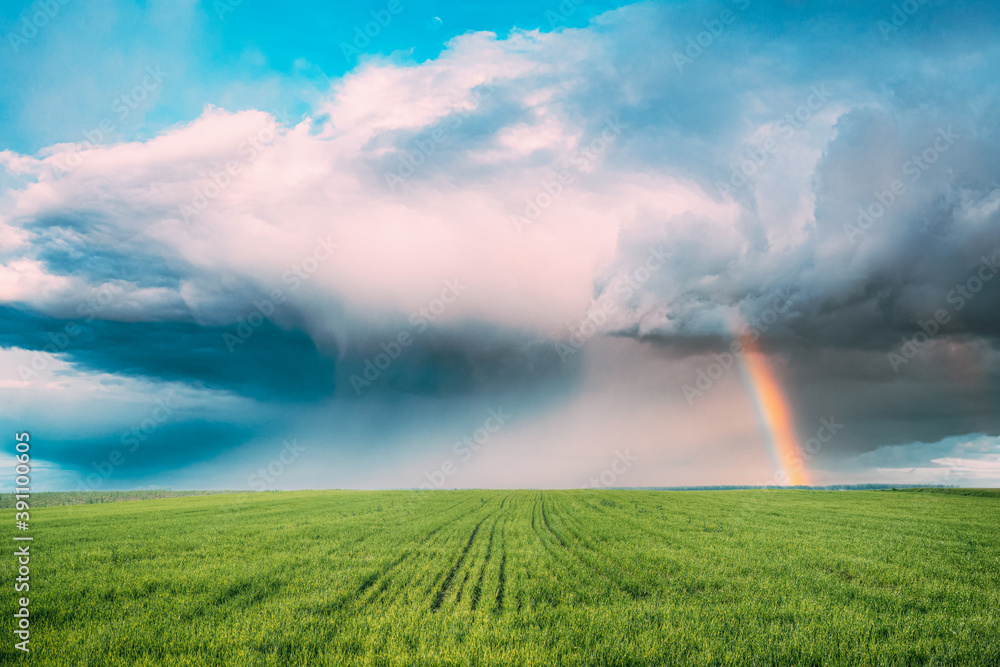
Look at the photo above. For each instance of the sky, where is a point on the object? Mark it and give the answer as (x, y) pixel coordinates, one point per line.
(404, 244)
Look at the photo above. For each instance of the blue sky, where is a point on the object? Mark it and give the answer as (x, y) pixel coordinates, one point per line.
(236, 55)
(222, 239)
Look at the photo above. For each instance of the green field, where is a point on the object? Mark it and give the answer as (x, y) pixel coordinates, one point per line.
(516, 578)
(51, 498)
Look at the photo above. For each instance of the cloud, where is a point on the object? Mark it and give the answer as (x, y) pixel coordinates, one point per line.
(492, 123)
(152, 424)
(971, 460)
(273, 363)
(526, 191)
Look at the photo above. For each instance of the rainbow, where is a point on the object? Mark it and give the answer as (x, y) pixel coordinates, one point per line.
(774, 413)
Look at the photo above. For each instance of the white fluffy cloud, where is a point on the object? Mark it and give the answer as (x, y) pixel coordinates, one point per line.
(238, 199)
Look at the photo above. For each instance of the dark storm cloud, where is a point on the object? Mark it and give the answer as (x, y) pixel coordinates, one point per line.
(275, 364)
(470, 360)
(941, 391)
(133, 453)
(272, 363)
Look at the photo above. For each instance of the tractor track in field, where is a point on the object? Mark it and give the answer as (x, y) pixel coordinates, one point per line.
(461, 586)
(579, 557)
(502, 575)
(443, 590)
(477, 590)
(382, 576)
(501, 581)
(540, 534)
(386, 580)
(545, 520)
(569, 521)
(666, 534)
(374, 577)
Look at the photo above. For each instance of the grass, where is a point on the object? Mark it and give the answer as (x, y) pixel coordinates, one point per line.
(53, 498)
(986, 493)
(517, 578)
